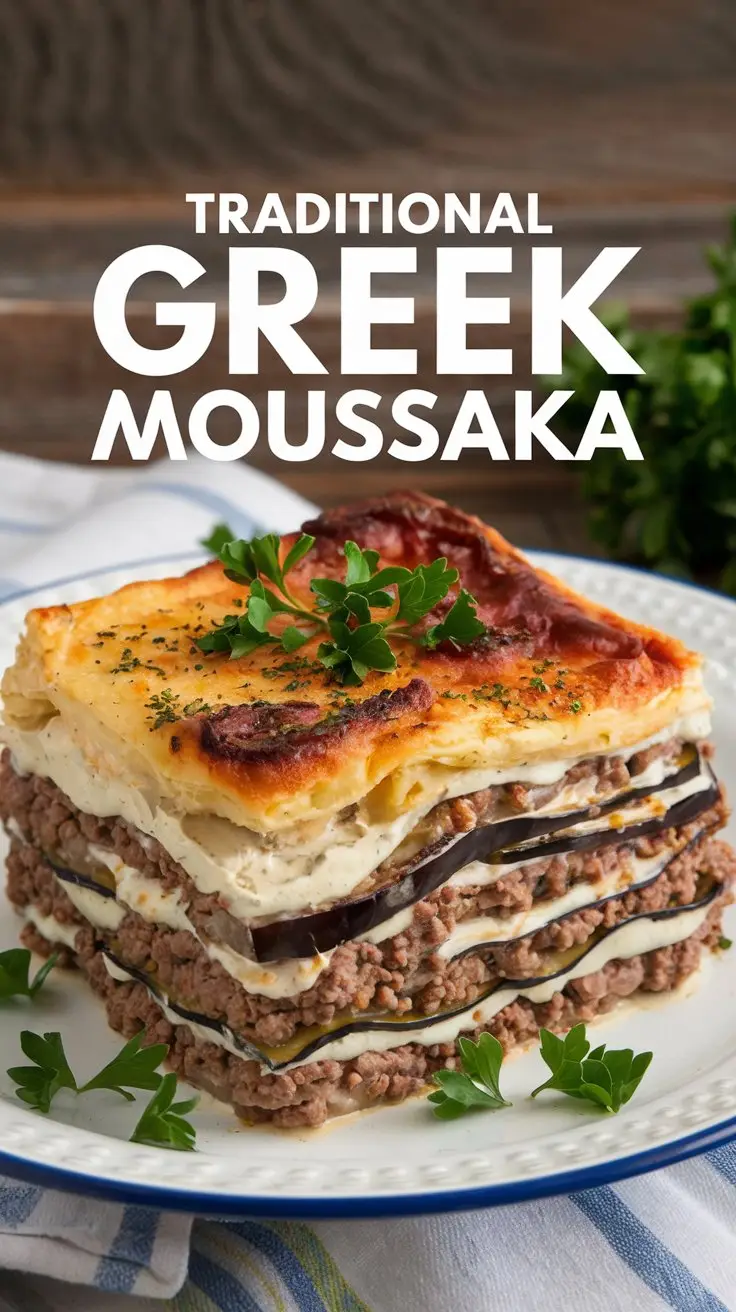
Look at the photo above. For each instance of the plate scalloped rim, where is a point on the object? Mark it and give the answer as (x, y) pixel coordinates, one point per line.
(402, 1160)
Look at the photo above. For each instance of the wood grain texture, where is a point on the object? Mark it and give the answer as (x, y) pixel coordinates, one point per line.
(613, 100)
(621, 115)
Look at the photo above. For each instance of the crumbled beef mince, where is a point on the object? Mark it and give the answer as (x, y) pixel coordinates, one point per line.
(310, 1094)
(49, 820)
(403, 973)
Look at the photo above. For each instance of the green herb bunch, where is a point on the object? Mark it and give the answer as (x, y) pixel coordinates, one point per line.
(605, 1077)
(353, 640)
(676, 509)
(162, 1122)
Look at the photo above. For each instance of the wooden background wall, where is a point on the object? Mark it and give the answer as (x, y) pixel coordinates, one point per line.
(621, 115)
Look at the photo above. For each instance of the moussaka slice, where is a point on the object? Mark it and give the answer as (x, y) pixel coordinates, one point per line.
(310, 817)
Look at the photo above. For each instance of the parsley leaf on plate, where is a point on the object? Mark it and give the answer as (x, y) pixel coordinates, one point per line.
(15, 973)
(134, 1067)
(606, 1077)
(163, 1123)
(475, 1084)
(38, 1084)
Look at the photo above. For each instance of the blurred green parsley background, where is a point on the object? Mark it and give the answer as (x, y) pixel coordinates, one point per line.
(675, 511)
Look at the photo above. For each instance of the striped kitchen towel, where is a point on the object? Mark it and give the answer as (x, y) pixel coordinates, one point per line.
(660, 1241)
(100, 1246)
(666, 1240)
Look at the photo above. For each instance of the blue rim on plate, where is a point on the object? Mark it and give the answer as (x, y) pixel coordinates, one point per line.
(376, 1205)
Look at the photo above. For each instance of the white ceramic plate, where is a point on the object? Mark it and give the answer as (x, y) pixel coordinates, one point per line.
(403, 1159)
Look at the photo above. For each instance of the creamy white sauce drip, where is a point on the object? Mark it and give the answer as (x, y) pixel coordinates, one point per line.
(153, 903)
(282, 979)
(264, 876)
(51, 928)
(630, 939)
(499, 929)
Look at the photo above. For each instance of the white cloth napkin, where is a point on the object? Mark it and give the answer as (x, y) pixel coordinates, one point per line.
(661, 1241)
(59, 519)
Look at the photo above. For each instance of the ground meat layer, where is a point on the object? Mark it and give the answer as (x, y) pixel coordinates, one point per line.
(48, 819)
(404, 973)
(359, 975)
(310, 1094)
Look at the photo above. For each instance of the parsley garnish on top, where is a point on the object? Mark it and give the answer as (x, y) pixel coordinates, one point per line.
(128, 663)
(165, 708)
(353, 639)
(218, 538)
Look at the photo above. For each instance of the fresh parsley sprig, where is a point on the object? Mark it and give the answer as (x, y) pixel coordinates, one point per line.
(244, 563)
(475, 1084)
(606, 1077)
(15, 978)
(39, 1084)
(134, 1067)
(460, 625)
(219, 535)
(163, 1121)
(353, 640)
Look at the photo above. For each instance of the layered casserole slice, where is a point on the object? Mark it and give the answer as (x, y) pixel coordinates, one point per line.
(310, 887)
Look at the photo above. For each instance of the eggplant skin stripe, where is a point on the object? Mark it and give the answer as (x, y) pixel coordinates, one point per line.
(305, 935)
(254, 1053)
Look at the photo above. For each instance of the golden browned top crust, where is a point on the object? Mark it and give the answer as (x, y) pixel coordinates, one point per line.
(271, 739)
